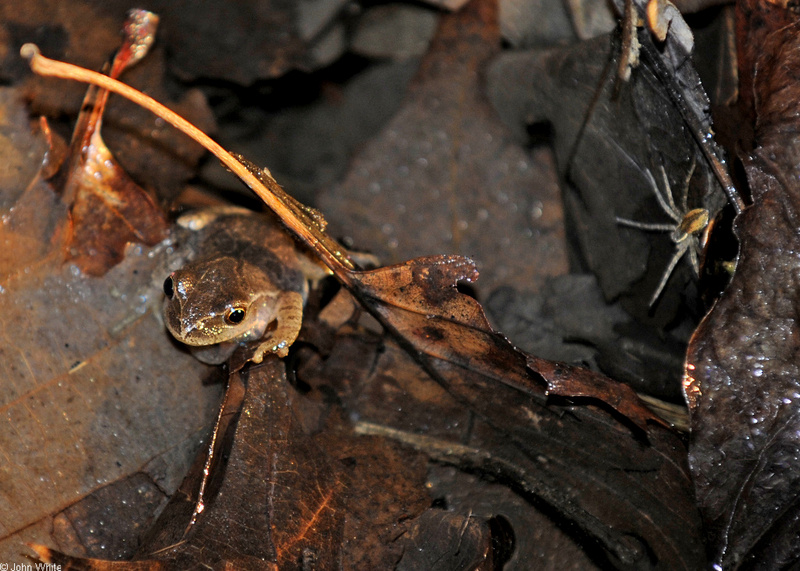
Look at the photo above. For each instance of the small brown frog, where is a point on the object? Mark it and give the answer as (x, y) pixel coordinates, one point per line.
(247, 282)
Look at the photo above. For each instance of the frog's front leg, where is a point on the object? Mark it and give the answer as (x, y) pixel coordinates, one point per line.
(289, 318)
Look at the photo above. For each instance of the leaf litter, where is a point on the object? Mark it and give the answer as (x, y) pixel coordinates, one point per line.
(447, 343)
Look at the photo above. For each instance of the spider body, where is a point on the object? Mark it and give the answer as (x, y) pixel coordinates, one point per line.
(684, 230)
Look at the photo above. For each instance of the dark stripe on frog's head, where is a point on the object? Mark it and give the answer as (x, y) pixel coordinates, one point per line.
(277, 263)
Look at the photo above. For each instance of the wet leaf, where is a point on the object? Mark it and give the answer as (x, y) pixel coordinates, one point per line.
(742, 362)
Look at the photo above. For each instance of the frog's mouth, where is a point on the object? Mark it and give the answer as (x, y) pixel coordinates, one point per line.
(203, 332)
(199, 334)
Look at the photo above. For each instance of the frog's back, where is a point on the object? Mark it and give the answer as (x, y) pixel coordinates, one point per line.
(258, 242)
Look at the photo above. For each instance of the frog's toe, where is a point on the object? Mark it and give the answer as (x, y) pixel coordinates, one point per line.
(280, 349)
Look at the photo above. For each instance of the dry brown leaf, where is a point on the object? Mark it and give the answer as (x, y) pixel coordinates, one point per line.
(107, 209)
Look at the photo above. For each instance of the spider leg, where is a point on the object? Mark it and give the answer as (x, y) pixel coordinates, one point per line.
(682, 232)
(667, 205)
(653, 227)
(685, 193)
(692, 248)
(680, 250)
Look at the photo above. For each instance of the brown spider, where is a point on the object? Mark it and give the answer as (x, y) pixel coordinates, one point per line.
(687, 225)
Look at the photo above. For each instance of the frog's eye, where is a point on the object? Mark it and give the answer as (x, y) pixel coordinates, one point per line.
(169, 287)
(234, 316)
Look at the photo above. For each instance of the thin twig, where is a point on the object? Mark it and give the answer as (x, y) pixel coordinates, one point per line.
(331, 255)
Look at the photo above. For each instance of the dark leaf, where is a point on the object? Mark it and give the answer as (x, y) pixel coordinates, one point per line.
(756, 20)
(742, 363)
(244, 42)
(521, 534)
(443, 541)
